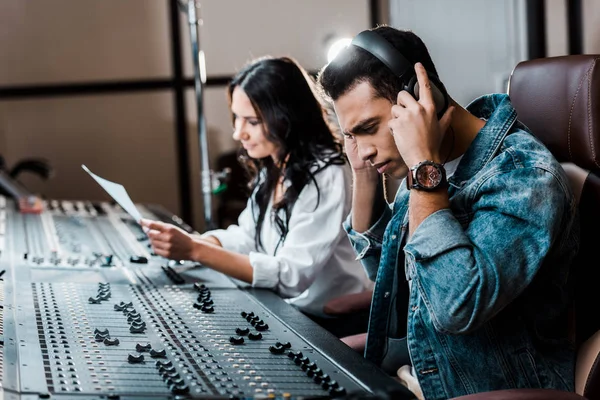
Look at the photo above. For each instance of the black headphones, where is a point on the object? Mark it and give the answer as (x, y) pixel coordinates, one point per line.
(383, 50)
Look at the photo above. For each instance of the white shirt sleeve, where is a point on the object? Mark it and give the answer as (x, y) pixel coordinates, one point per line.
(237, 238)
(314, 232)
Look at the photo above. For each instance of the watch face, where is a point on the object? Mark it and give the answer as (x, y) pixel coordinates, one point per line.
(428, 176)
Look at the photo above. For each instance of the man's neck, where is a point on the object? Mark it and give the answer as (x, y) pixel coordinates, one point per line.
(465, 127)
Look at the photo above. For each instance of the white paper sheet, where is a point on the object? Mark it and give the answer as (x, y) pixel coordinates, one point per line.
(118, 193)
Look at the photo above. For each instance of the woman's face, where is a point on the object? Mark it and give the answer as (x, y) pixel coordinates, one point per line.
(249, 128)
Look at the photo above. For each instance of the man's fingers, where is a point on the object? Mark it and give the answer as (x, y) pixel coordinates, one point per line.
(446, 119)
(404, 99)
(425, 95)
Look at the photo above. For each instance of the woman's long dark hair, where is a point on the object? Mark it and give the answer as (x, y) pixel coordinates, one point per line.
(284, 97)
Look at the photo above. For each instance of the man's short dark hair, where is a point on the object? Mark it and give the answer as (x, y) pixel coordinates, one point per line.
(354, 65)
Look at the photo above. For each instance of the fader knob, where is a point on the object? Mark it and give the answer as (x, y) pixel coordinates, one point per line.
(208, 309)
(199, 286)
(338, 391)
(242, 331)
(276, 349)
(111, 341)
(162, 353)
(179, 389)
(163, 364)
(236, 339)
(261, 327)
(255, 336)
(138, 259)
(135, 358)
(106, 260)
(143, 347)
(137, 328)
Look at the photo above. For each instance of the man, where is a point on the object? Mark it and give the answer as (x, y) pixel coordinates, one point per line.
(471, 259)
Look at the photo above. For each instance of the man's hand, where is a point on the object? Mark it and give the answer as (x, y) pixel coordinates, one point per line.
(356, 162)
(170, 241)
(417, 132)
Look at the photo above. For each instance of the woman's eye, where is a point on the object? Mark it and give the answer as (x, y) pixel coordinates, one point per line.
(254, 122)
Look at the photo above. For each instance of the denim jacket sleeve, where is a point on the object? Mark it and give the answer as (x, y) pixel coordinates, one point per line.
(367, 245)
(468, 274)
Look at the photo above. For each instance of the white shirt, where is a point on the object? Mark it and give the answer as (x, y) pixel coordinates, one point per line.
(316, 262)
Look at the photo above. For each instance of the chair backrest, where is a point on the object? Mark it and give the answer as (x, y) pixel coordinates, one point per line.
(558, 98)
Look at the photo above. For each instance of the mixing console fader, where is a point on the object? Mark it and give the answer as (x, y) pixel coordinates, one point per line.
(163, 329)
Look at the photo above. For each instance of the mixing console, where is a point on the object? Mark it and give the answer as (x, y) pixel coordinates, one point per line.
(88, 312)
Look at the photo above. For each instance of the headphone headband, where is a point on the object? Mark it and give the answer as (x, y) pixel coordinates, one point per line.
(380, 48)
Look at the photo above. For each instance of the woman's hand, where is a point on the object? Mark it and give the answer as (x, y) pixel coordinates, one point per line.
(170, 241)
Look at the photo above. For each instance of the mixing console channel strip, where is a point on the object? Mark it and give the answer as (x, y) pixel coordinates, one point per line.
(88, 312)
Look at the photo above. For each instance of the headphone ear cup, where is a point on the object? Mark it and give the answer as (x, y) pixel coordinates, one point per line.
(440, 97)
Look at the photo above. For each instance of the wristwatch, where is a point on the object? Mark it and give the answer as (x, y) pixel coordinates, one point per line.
(426, 175)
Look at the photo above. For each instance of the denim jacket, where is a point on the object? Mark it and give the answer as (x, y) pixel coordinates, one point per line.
(489, 295)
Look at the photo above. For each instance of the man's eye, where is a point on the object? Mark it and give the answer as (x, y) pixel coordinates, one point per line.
(347, 136)
(370, 129)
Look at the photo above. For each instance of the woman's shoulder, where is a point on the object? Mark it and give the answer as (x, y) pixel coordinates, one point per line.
(331, 176)
(328, 168)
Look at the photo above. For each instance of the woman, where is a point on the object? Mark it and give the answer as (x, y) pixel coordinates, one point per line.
(290, 236)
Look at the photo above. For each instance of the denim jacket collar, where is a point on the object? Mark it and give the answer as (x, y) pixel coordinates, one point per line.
(500, 115)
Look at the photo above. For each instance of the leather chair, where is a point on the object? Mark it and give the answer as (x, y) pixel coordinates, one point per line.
(558, 98)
